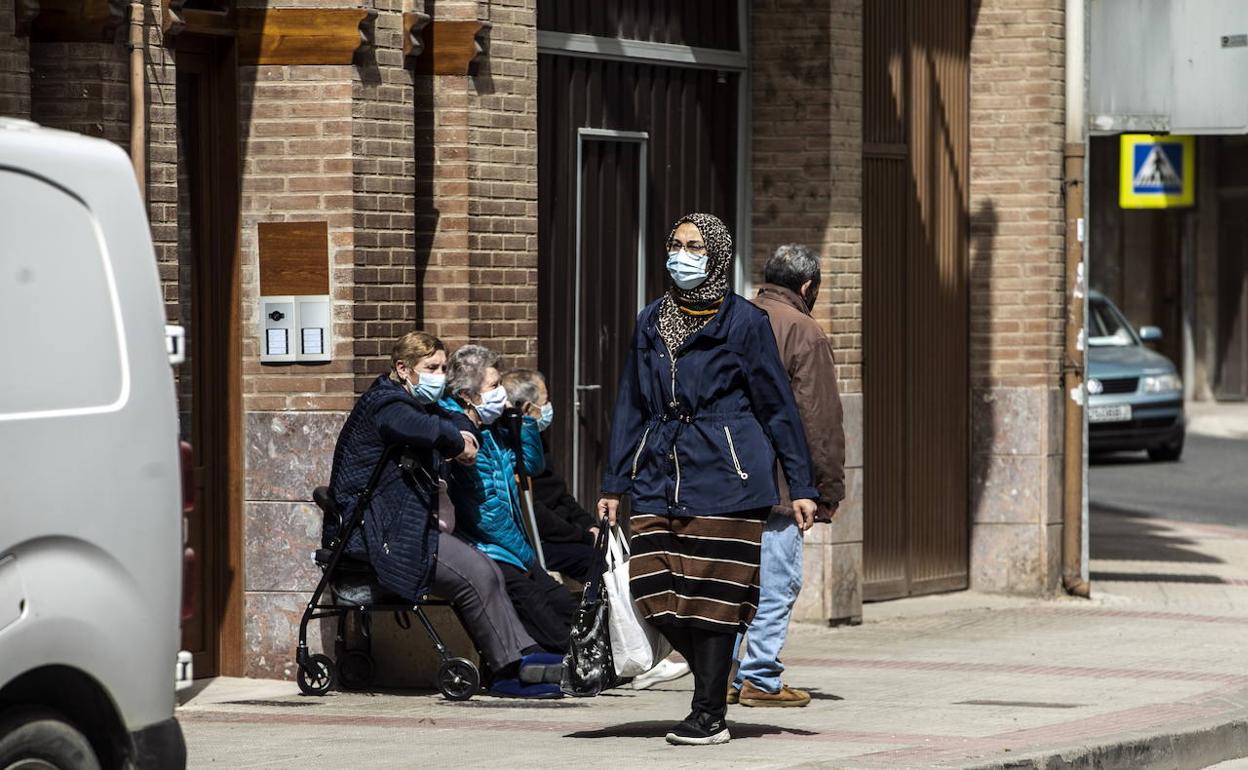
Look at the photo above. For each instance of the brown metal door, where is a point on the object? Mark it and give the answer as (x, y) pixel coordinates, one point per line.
(209, 387)
(689, 117)
(1232, 353)
(607, 302)
(915, 324)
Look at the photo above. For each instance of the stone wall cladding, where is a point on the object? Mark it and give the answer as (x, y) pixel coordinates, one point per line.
(1017, 294)
(806, 165)
(14, 69)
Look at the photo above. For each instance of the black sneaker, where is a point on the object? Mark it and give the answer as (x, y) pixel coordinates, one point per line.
(699, 730)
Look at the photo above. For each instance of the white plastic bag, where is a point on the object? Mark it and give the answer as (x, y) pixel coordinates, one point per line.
(636, 646)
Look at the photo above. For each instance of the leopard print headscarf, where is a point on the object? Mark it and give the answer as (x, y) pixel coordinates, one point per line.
(675, 325)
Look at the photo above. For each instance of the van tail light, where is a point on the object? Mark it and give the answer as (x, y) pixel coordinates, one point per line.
(190, 581)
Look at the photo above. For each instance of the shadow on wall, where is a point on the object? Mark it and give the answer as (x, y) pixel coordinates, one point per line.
(984, 225)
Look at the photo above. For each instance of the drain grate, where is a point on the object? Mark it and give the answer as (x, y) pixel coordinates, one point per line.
(281, 703)
(1026, 704)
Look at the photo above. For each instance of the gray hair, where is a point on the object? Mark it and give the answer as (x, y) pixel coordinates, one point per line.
(521, 385)
(792, 265)
(465, 370)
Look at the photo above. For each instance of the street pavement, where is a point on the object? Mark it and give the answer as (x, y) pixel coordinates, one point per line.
(1152, 671)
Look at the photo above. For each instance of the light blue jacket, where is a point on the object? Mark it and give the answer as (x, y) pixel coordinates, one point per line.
(486, 497)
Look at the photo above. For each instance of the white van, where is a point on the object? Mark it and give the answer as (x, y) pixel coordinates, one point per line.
(90, 487)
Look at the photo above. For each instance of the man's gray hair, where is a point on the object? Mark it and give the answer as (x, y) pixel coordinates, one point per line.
(465, 370)
(521, 385)
(792, 265)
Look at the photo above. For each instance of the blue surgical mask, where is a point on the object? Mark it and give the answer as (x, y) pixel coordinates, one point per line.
(687, 270)
(429, 389)
(493, 402)
(548, 416)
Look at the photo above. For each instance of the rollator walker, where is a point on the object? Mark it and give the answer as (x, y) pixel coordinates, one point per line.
(353, 590)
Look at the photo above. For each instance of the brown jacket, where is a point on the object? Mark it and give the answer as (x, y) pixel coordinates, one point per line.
(807, 356)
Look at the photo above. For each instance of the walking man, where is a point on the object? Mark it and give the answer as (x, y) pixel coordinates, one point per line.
(792, 284)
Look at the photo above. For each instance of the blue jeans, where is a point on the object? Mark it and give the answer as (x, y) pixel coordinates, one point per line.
(780, 581)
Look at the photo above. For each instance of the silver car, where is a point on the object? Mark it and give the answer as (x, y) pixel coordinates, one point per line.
(1135, 395)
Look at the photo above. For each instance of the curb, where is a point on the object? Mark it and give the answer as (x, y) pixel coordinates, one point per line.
(1196, 748)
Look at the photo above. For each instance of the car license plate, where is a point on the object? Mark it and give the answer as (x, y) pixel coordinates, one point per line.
(1110, 413)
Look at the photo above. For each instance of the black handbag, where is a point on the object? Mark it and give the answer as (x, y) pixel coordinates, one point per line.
(588, 668)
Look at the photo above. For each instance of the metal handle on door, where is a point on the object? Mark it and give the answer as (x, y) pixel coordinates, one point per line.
(580, 388)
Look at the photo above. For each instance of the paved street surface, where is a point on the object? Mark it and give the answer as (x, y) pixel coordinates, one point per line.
(1209, 484)
(962, 680)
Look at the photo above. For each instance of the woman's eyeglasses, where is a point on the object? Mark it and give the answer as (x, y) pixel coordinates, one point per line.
(693, 247)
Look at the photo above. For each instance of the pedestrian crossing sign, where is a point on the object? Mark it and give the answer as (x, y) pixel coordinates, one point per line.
(1157, 171)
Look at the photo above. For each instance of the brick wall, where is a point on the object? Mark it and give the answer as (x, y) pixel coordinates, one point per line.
(385, 184)
(14, 69)
(1017, 228)
(806, 168)
(81, 87)
(1017, 269)
(502, 186)
(296, 137)
(806, 155)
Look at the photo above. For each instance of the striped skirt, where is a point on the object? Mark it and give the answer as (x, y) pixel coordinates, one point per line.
(698, 571)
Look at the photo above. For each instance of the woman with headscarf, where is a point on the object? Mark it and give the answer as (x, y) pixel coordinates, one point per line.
(704, 412)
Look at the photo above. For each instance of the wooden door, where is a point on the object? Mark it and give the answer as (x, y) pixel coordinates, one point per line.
(915, 306)
(1232, 353)
(209, 382)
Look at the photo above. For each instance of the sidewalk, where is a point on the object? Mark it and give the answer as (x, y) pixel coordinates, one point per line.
(1152, 672)
(1225, 419)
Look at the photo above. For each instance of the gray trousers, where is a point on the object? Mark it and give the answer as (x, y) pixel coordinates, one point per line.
(474, 583)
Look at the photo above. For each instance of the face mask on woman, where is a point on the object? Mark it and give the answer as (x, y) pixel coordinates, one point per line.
(687, 270)
(548, 416)
(429, 388)
(493, 402)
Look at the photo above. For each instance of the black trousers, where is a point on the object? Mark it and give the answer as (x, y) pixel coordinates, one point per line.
(571, 559)
(545, 607)
(709, 654)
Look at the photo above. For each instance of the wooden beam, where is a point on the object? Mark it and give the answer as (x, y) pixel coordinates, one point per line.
(303, 35)
(451, 47)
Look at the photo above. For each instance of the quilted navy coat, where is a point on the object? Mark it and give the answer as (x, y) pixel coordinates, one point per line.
(485, 495)
(702, 434)
(400, 533)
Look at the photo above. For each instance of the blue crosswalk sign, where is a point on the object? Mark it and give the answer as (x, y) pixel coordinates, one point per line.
(1157, 171)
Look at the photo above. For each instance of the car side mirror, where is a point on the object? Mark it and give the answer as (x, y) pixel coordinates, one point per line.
(1150, 333)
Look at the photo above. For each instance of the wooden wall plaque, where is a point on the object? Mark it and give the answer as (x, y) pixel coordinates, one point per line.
(294, 258)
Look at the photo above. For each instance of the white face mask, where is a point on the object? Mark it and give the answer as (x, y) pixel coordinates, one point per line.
(493, 402)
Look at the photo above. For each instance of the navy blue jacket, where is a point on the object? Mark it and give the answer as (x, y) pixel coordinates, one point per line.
(400, 533)
(705, 439)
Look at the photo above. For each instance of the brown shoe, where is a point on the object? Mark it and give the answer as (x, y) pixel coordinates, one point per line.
(733, 695)
(787, 697)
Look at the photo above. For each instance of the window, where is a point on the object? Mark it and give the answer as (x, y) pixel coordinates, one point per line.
(1107, 327)
(59, 321)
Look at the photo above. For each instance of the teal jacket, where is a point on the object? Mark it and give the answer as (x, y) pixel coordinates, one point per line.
(486, 497)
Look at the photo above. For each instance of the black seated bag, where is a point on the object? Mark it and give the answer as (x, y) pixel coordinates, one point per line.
(588, 668)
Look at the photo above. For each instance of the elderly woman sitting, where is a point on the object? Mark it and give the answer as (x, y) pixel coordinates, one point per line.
(487, 500)
(400, 535)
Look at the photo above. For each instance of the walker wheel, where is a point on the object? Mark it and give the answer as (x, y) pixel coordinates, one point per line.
(356, 669)
(317, 676)
(458, 679)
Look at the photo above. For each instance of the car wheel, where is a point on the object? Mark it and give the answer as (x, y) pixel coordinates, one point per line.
(38, 739)
(1167, 453)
